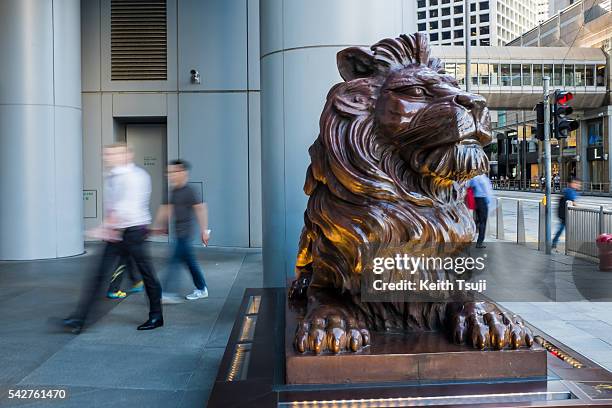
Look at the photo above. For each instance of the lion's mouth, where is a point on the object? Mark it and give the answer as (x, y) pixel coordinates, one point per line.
(460, 162)
(476, 137)
(469, 141)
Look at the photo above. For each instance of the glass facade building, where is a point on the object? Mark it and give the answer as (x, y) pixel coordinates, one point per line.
(492, 22)
(586, 152)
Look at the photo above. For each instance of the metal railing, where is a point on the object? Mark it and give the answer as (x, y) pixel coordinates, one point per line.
(522, 230)
(583, 225)
(536, 186)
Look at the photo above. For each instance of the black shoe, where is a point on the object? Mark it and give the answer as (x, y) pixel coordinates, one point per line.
(152, 323)
(481, 245)
(75, 326)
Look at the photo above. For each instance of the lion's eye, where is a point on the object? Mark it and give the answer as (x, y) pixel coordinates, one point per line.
(414, 91)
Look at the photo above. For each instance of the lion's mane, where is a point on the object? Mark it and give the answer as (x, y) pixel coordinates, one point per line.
(361, 191)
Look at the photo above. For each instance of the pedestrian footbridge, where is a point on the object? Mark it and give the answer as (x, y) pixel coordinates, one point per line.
(511, 77)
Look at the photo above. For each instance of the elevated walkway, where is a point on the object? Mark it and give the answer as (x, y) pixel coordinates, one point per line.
(511, 77)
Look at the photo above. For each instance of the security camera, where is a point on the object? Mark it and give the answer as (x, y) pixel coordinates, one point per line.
(195, 76)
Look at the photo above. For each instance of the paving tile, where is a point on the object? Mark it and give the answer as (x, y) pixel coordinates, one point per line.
(195, 398)
(588, 344)
(186, 325)
(110, 366)
(206, 371)
(225, 322)
(596, 328)
(19, 359)
(597, 356)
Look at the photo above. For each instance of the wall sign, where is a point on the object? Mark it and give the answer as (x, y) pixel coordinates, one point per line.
(90, 203)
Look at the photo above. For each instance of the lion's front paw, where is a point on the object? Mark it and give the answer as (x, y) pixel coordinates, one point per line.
(331, 332)
(482, 325)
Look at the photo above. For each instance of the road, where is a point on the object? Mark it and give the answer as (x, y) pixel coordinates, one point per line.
(508, 200)
(584, 200)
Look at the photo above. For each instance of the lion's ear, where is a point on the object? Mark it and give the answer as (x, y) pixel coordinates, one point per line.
(356, 62)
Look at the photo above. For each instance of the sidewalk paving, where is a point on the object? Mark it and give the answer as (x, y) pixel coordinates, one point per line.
(582, 316)
(112, 364)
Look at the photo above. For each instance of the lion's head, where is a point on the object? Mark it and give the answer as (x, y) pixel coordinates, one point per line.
(396, 141)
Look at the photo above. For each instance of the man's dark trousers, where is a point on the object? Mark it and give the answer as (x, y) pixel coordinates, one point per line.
(482, 213)
(132, 245)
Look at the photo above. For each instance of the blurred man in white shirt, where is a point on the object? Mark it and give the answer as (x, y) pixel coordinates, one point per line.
(127, 191)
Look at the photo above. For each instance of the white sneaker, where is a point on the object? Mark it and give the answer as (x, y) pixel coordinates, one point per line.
(197, 294)
(171, 299)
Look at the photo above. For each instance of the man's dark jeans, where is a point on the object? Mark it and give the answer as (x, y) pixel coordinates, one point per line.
(132, 245)
(559, 232)
(183, 253)
(482, 213)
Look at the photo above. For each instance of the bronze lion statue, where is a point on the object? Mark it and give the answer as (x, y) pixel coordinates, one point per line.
(398, 140)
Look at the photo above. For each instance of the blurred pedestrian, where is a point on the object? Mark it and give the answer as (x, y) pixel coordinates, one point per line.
(557, 182)
(127, 191)
(483, 195)
(570, 195)
(183, 206)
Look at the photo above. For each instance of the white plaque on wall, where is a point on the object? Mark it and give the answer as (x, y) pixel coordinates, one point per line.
(90, 203)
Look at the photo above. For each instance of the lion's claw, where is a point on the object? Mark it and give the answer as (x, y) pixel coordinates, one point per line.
(330, 334)
(483, 329)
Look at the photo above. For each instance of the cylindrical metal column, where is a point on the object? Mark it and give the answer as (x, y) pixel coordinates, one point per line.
(40, 129)
(299, 43)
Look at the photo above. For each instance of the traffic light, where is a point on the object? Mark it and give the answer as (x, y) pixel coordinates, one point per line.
(540, 121)
(560, 112)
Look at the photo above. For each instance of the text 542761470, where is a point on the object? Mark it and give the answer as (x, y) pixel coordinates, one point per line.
(37, 394)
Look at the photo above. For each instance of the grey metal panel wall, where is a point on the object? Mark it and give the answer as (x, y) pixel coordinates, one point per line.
(90, 45)
(92, 153)
(253, 44)
(254, 170)
(213, 40)
(213, 129)
(40, 129)
(253, 83)
(214, 37)
(68, 181)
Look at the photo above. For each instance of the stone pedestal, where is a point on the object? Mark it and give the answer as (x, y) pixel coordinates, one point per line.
(408, 357)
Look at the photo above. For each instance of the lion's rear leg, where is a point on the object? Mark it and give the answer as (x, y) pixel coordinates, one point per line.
(303, 266)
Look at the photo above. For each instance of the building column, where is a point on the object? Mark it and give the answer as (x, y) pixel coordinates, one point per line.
(607, 128)
(299, 42)
(584, 163)
(40, 129)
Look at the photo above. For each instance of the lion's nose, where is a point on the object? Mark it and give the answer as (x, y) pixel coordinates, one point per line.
(471, 101)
